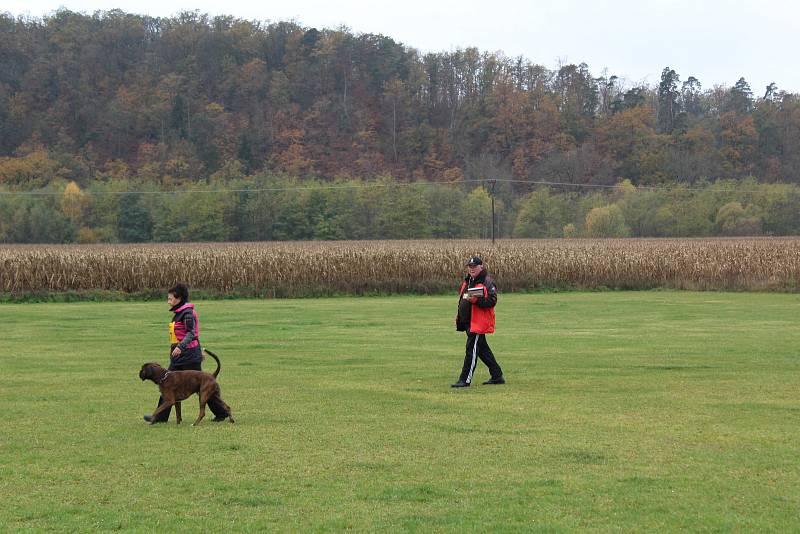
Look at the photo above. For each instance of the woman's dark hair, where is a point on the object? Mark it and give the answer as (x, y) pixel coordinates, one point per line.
(180, 291)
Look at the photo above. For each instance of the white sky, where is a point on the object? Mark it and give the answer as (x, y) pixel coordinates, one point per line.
(716, 41)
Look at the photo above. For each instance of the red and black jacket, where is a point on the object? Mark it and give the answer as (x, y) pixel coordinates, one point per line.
(478, 317)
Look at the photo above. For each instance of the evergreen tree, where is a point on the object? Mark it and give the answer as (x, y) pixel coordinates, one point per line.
(134, 224)
(668, 104)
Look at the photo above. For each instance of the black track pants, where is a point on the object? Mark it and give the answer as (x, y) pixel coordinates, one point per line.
(477, 347)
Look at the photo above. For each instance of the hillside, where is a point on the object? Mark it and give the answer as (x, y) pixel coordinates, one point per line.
(122, 102)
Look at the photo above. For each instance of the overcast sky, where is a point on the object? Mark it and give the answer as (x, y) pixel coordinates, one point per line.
(716, 41)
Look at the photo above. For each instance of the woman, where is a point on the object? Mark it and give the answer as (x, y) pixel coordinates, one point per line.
(185, 353)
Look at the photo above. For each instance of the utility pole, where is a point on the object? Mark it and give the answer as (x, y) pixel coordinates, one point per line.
(491, 194)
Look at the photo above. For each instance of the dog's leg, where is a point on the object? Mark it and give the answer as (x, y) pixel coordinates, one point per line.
(178, 417)
(163, 406)
(203, 394)
(225, 405)
(201, 414)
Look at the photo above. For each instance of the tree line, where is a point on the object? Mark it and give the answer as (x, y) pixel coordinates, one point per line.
(164, 104)
(268, 207)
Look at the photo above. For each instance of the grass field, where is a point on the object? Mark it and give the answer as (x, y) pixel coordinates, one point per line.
(624, 411)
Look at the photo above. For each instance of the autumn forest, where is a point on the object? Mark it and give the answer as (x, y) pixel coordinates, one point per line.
(116, 127)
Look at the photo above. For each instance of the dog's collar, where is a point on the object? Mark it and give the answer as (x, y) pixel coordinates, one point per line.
(160, 380)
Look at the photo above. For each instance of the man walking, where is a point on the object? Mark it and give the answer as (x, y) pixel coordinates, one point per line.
(476, 301)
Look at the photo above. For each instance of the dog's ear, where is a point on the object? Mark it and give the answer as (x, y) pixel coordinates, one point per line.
(146, 371)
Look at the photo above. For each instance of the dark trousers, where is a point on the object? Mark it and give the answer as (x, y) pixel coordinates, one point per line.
(477, 347)
(213, 404)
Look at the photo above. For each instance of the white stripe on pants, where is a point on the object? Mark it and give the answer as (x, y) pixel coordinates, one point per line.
(474, 359)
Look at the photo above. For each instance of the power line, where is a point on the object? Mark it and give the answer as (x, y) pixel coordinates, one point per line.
(374, 185)
(255, 190)
(620, 186)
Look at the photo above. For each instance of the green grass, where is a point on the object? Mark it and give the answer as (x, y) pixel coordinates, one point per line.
(624, 411)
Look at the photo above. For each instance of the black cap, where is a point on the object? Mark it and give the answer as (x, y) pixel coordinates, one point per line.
(473, 261)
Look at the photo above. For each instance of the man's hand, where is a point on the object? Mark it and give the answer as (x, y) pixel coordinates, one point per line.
(176, 352)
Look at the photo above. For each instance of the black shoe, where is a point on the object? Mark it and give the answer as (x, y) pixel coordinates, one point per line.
(460, 384)
(149, 419)
(219, 418)
(498, 380)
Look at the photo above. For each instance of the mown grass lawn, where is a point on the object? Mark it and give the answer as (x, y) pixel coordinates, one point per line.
(624, 411)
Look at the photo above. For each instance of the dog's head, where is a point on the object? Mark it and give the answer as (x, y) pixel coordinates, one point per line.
(150, 371)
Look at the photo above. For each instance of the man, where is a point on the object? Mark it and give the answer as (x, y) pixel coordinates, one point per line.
(476, 301)
(185, 351)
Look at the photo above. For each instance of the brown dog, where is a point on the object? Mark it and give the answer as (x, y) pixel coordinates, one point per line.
(176, 386)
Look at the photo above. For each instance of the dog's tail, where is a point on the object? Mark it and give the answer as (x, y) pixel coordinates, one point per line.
(219, 365)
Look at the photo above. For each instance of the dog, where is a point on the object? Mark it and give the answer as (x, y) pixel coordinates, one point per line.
(176, 386)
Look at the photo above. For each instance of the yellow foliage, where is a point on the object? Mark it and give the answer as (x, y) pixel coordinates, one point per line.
(74, 202)
(626, 187)
(294, 159)
(33, 169)
(214, 109)
(453, 174)
(606, 221)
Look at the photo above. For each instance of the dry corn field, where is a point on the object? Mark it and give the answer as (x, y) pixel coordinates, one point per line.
(281, 269)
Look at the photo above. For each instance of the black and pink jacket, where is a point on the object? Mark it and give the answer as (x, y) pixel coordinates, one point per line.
(184, 332)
